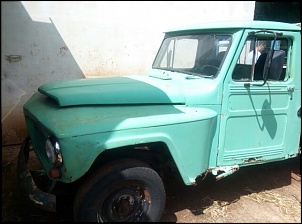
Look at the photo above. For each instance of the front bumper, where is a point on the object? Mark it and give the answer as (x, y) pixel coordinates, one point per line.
(40, 199)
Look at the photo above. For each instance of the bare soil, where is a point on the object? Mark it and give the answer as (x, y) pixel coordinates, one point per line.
(268, 193)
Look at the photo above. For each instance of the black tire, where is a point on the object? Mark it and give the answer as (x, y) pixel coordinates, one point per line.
(124, 191)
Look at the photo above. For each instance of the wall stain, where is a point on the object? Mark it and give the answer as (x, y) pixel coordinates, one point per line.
(63, 50)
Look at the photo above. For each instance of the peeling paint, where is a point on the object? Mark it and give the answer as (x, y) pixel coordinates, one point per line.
(226, 171)
(253, 160)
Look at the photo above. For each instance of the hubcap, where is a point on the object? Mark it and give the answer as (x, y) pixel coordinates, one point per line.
(129, 203)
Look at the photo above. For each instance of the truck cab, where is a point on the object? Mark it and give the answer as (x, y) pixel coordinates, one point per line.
(211, 103)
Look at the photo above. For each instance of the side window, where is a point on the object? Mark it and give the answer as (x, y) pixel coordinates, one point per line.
(250, 65)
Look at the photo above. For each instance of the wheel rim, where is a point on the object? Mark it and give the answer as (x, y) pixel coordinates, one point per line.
(129, 203)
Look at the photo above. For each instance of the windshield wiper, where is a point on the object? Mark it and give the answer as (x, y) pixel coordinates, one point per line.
(199, 76)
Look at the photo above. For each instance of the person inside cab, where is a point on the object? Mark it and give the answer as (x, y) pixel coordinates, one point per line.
(259, 49)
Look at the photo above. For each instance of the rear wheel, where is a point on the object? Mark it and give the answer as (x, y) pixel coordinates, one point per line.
(123, 191)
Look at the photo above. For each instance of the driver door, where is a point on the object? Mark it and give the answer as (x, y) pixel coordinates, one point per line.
(255, 118)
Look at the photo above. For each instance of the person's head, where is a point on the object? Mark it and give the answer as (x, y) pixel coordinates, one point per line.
(261, 46)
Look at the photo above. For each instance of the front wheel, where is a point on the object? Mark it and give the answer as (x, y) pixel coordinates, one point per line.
(123, 191)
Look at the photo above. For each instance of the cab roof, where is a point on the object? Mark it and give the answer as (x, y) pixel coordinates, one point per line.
(239, 24)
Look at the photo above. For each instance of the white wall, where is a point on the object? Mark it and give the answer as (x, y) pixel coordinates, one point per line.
(55, 40)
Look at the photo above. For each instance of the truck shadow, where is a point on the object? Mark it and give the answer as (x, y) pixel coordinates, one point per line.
(251, 179)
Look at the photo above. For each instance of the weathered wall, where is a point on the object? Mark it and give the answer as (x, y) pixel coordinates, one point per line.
(54, 40)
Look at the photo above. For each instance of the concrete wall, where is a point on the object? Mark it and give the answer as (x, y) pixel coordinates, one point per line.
(55, 40)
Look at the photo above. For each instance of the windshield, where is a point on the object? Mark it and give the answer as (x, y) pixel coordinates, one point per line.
(200, 54)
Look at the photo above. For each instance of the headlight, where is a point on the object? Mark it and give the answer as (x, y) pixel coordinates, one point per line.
(53, 151)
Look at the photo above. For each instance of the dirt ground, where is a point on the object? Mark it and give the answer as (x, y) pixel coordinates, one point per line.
(269, 193)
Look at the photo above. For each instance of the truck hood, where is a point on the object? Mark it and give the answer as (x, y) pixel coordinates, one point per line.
(125, 90)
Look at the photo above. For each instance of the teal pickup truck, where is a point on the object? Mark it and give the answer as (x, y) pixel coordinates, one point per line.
(219, 96)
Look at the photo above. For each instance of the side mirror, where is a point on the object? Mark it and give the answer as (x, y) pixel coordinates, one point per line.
(273, 65)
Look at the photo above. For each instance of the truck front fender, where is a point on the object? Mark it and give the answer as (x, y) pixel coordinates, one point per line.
(188, 136)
